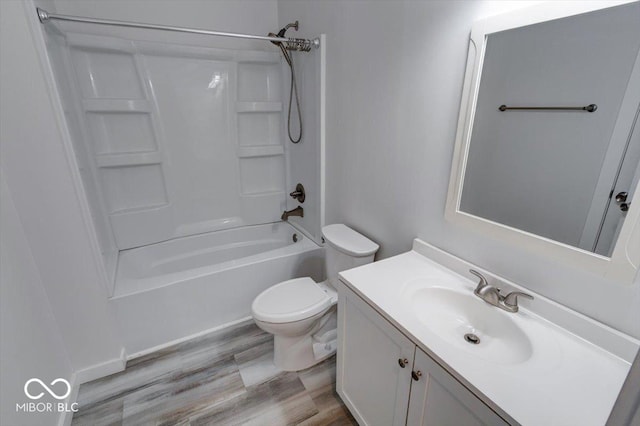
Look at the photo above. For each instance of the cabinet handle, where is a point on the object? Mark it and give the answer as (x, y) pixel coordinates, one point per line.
(403, 362)
(415, 375)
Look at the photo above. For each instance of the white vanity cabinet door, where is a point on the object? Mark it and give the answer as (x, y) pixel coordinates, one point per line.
(437, 399)
(370, 380)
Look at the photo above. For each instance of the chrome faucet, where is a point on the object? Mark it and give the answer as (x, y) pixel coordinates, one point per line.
(484, 291)
(298, 211)
(492, 296)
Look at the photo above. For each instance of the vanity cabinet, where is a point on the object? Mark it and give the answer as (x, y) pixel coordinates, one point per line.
(371, 379)
(385, 379)
(438, 399)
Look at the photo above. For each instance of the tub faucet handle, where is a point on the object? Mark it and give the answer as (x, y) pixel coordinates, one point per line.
(298, 194)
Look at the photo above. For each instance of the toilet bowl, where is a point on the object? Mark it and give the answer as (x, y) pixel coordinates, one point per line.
(300, 313)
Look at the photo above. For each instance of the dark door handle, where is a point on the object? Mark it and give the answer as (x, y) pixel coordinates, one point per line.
(415, 375)
(403, 362)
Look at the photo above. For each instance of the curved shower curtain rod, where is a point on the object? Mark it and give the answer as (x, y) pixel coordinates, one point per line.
(299, 44)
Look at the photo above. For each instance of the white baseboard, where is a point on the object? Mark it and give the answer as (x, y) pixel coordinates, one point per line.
(86, 375)
(66, 417)
(101, 370)
(191, 336)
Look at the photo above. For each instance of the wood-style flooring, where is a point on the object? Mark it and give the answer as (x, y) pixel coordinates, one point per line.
(223, 378)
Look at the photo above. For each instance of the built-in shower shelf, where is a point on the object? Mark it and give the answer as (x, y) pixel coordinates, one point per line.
(128, 159)
(116, 105)
(143, 209)
(260, 151)
(258, 106)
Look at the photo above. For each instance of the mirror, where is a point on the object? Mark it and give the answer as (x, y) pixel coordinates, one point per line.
(548, 146)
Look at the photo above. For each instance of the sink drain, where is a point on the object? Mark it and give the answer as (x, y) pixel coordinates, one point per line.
(472, 338)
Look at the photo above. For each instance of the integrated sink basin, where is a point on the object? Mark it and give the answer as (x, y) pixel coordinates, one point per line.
(470, 324)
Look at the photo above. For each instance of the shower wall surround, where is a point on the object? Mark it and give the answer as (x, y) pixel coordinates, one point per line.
(180, 140)
(246, 16)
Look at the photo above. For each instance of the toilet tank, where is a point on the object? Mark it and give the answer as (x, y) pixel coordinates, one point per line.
(346, 249)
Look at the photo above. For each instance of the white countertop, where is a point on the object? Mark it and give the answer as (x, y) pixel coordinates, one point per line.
(566, 380)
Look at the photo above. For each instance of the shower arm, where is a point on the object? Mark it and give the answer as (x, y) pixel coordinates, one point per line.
(300, 44)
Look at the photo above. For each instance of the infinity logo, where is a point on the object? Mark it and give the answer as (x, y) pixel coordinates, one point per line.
(47, 388)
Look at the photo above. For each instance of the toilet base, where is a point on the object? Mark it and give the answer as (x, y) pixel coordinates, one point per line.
(296, 353)
(292, 354)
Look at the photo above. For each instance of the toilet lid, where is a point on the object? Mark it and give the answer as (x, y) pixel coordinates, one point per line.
(348, 241)
(290, 301)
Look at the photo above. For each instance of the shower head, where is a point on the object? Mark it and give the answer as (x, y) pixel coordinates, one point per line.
(289, 25)
(282, 31)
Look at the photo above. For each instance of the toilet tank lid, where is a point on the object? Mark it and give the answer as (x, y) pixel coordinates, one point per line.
(349, 241)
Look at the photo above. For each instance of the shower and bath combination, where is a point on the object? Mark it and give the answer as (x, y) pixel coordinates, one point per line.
(178, 157)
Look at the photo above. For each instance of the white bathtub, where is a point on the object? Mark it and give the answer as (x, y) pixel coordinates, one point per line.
(172, 290)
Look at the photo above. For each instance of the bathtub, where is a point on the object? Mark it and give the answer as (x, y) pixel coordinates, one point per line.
(173, 290)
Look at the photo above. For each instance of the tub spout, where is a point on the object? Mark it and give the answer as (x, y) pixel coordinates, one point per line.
(298, 211)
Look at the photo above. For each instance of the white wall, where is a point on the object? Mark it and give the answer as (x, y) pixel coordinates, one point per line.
(394, 82)
(31, 340)
(35, 167)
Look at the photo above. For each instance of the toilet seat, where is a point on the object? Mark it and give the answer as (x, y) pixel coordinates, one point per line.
(289, 301)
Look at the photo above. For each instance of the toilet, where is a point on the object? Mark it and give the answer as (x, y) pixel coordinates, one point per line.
(300, 313)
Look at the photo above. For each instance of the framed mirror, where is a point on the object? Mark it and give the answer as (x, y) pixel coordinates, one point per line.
(547, 152)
